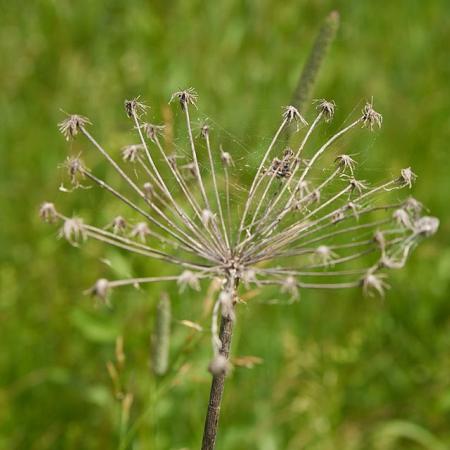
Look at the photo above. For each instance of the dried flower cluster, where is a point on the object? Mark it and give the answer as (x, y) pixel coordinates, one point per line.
(298, 227)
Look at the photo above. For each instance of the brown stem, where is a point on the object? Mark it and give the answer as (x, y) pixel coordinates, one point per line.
(217, 385)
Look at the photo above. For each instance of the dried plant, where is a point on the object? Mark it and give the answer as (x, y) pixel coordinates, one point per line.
(300, 225)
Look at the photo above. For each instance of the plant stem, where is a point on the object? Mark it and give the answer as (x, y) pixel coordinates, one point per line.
(217, 386)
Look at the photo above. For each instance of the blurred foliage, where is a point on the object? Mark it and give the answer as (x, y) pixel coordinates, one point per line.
(338, 370)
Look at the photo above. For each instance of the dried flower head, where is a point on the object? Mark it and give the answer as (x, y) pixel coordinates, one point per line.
(226, 158)
(130, 153)
(413, 206)
(134, 107)
(141, 230)
(290, 286)
(374, 283)
(296, 226)
(186, 97)
(100, 290)
(118, 225)
(208, 217)
(152, 131)
(188, 279)
(148, 190)
(324, 255)
(47, 212)
(75, 169)
(407, 177)
(326, 108)
(291, 114)
(402, 218)
(345, 162)
(73, 231)
(370, 117)
(70, 127)
(426, 226)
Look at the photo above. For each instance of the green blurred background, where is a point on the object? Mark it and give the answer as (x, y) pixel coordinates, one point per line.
(338, 371)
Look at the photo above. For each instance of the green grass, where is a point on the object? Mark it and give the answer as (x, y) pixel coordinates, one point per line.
(340, 371)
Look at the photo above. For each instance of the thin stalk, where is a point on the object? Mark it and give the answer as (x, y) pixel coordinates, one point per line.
(218, 381)
(257, 180)
(216, 190)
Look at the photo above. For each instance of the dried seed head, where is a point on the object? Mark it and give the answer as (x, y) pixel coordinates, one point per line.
(291, 114)
(226, 158)
(141, 231)
(326, 108)
(70, 127)
(303, 189)
(149, 190)
(152, 131)
(426, 226)
(248, 276)
(290, 286)
(370, 117)
(413, 206)
(134, 107)
(407, 177)
(73, 231)
(345, 162)
(188, 279)
(204, 131)
(324, 255)
(402, 218)
(219, 366)
(75, 169)
(207, 217)
(130, 153)
(187, 97)
(100, 290)
(354, 209)
(173, 160)
(190, 169)
(338, 216)
(118, 225)
(226, 305)
(379, 239)
(374, 284)
(47, 212)
(283, 168)
(314, 197)
(357, 185)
